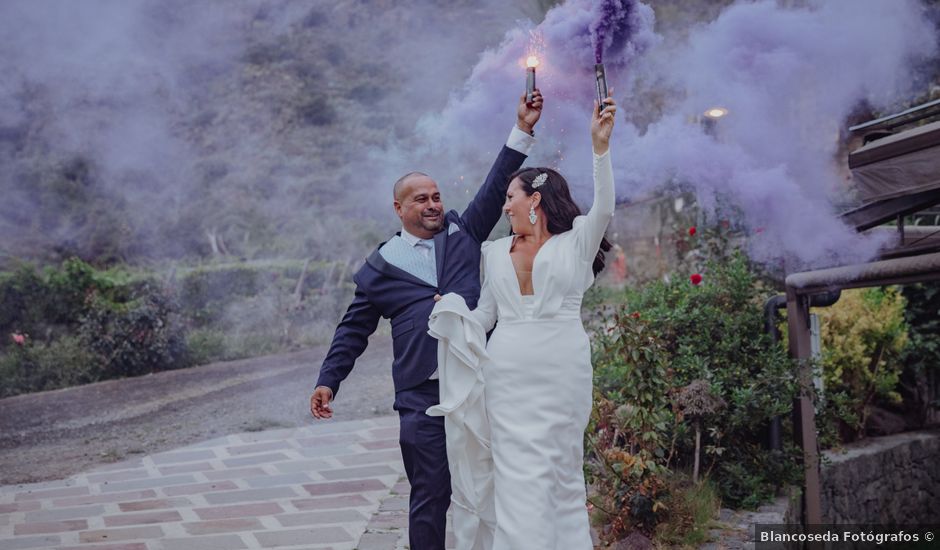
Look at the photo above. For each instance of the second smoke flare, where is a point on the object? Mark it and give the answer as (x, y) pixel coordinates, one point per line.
(600, 79)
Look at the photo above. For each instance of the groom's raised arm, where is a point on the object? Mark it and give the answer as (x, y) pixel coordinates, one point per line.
(483, 212)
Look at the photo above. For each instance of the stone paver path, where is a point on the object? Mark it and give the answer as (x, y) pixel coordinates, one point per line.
(337, 485)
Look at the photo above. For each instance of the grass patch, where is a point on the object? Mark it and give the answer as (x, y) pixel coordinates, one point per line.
(692, 509)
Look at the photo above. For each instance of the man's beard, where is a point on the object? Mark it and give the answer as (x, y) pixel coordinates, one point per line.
(433, 225)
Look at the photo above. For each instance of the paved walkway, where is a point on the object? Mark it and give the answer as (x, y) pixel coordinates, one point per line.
(336, 485)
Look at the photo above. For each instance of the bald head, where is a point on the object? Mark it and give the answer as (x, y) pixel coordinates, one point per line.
(418, 204)
(399, 186)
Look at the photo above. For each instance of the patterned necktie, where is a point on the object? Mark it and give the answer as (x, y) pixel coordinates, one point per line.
(425, 245)
(428, 269)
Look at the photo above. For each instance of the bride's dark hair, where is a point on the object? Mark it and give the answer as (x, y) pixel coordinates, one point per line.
(559, 208)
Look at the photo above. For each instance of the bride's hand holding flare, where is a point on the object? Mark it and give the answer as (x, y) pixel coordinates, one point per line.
(602, 124)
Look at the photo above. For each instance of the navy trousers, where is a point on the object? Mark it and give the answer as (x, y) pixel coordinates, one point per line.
(424, 452)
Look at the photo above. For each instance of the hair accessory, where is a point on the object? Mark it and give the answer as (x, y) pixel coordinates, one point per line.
(540, 180)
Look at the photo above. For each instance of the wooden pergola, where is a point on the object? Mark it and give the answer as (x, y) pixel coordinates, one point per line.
(897, 173)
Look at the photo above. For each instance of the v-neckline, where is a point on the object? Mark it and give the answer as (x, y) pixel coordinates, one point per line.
(512, 241)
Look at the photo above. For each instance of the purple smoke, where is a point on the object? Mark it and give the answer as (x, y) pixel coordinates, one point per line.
(788, 76)
(613, 26)
(466, 134)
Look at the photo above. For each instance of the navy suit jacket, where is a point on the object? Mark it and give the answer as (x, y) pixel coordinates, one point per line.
(383, 290)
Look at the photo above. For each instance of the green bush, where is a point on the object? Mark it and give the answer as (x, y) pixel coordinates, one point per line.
(863, 337)
(118, 323)
(22, 301)
(920, 379)
(39, 366)
(50, 302)
(714, 332)
(922, 316)
(628, 439)
(204, 345)
(67, 289)
(141, 336)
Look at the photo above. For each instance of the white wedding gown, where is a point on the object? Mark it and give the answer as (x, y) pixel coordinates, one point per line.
(537, 388)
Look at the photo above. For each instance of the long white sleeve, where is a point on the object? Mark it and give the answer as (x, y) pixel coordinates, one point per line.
(595, 223)
(486, 310)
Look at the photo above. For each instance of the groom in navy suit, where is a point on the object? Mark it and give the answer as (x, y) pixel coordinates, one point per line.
(435, 253)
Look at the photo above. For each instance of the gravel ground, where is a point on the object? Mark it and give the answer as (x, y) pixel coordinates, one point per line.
(52, 435)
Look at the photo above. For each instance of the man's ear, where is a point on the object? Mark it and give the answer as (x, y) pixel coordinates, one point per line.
(397, 206)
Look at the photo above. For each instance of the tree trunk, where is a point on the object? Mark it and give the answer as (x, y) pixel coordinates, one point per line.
(213, 242)
(216, 242)
(328, 278)
(222, 246)
(299, 289)
(698, 444)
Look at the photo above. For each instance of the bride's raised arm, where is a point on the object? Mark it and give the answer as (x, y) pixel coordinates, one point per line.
(602, 209)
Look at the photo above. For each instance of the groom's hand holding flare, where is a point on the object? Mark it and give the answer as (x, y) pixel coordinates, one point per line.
(602, 124)
(528, 113)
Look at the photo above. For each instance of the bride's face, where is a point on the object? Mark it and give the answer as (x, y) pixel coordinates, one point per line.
(517, 207)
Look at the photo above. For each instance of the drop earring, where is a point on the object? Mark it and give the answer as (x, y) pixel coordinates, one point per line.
(532, 215)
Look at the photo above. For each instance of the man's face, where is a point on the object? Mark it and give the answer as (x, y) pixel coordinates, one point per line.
(419, 206)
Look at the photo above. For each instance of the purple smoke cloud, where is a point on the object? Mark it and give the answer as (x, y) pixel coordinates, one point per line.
(612, 26)
(788, 76)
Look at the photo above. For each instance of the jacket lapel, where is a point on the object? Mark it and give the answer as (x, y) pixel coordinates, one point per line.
(440, 250)
(378, 262)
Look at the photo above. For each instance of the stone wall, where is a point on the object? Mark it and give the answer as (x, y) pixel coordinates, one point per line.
(889, 479)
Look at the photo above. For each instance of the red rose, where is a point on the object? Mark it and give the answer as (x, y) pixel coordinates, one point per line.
(696, 279)
(692, 231)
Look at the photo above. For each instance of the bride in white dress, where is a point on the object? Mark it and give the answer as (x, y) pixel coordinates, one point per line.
(535, 373)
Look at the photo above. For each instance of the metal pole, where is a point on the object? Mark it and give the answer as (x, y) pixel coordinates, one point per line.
(771, 306)
(805, 422)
